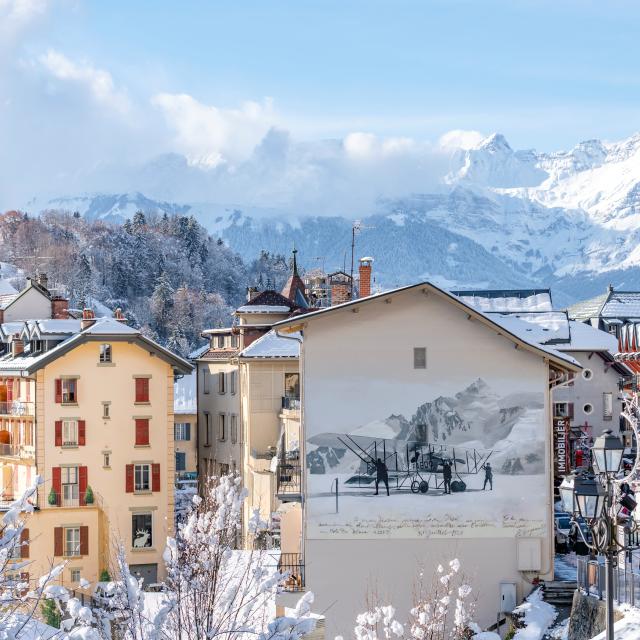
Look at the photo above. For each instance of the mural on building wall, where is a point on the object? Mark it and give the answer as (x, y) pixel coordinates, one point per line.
(467, 465)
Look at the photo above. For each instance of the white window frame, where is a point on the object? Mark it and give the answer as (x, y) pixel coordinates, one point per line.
(70, 481)
(139, 471)
(607, 405)
(66, 393)
(71, 542)
(69, 433)
(106, 353)
(75, 575)
(557, 414)
(180, 431)
(142, 513)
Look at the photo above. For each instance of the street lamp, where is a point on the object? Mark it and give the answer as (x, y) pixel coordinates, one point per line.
(592, 498)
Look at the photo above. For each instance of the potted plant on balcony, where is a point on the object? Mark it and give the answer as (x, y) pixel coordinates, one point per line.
(88, 496)
(53, 497)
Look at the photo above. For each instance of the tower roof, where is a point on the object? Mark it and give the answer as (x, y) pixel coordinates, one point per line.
(294, 288)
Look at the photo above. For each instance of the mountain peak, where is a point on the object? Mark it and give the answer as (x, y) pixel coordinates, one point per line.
(496, 142)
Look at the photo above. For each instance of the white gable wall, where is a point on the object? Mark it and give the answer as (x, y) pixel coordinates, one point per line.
(30, 305)
(358, 370)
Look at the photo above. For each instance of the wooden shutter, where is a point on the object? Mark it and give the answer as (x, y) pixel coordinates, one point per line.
(56, 481)
(10, 390)
(187, 431)
(74, 384)
(24, 577)
(84, 541)
(82, 433)
(142, 390)
(58, 533)
(24, 543)
(155, 477)
(142, 431)
(82, 482)
(58, 433)
(58, 390)
(570, 409)
(129, 479)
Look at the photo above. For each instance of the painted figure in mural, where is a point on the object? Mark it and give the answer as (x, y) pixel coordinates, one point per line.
(446, 475)
(382, 475)
(488, 476)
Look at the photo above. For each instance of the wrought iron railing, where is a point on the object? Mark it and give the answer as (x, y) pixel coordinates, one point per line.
(17, 408)
(291, 403)
(288, 478)
(626, 581)
(17, 450)
(58, 500)
(292, 565)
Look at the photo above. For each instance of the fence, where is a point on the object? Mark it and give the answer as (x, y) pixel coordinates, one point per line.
(17, 408)
(626, 582)
(292, 565)
(288, 479)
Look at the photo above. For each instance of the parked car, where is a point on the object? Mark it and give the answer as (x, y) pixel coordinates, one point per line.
(578, 542)
(562, 524)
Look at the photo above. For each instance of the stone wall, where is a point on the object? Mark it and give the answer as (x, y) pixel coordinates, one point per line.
(588, 617)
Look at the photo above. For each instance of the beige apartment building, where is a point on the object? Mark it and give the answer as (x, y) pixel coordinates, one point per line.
(88, 406)
(185, 410)
(394, 388)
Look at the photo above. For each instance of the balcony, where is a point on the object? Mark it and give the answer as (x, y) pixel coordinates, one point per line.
(17, 451)
(292, 565)
(17, 408)
(290, 404)
(289, 481)
(57, 500)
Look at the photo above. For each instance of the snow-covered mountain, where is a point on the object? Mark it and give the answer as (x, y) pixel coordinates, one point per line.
(499, 217)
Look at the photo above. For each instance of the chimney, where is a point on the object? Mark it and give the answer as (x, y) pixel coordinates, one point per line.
(119, 316)
(252, 292)
(42, 280)
(17, 345)
(340, 289)
(59, 308)
(88, 319)
(365, 277)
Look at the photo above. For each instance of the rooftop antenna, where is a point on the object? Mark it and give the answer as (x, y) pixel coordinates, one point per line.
(357, 227)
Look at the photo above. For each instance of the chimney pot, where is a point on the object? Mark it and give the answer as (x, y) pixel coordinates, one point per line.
(365, 277)
(43, 280)
(88, 319)
(17, 345)
(119, 316)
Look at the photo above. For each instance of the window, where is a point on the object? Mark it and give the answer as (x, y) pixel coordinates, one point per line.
(292, 386)
(221, 382)
(224, 469)
(182, 431)
(220, 342)
(607, 405)
(181, 461)
(72, 541)
(106, 459)
(142, 432)
(70, 485)
(419, 357)
(222, 427)
(587, 374)
(207, 429)
(234, 428)
(69, 433)
(562, 410)
(105, 353)
(75, 575)
(142, 389)
(69, 391)
(106, 410)
(141, 530)
(612, 329)
(234, 341)
(232, 382)
(588, 408)
(142, 477)
(205, 381)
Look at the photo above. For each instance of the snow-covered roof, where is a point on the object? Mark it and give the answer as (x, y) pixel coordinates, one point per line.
(622, 304)
(6, 288)
(263, 308)
(6, 299)
(584, 337)
(196, 353)
(508, 300)
(111, 327)
(8, 329)
(185, 398)
(271, 345)
(550, 327)
(52, 326)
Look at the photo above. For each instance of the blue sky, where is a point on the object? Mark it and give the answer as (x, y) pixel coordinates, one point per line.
(121, 81)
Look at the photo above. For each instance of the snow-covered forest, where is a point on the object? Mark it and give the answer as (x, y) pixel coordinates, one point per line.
(167, 273)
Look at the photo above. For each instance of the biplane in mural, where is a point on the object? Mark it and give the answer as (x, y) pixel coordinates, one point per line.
(414, 465)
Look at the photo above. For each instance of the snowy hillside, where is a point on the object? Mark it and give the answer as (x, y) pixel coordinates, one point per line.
(497, 217)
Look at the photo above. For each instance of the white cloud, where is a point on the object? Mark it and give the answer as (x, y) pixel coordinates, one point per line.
(208, 135)
(97, 82)
(461, 139)
(16, 15)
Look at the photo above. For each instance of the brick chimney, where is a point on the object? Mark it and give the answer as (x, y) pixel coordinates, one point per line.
(43, 280)
(365, 277)
(17, 345)
(340, 288)
(59, 308)
(88, 319)
(119, 316)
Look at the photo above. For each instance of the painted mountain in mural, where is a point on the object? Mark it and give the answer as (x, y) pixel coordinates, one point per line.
(476, 418)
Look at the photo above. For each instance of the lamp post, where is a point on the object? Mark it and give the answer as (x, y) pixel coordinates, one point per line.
(593, 498)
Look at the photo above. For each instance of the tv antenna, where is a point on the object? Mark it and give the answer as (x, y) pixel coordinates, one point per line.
(356, 228)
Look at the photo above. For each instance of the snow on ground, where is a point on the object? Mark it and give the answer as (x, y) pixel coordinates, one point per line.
(538, 617)
(516, 505)
(626, 629)
(27, 628)
(566, 567)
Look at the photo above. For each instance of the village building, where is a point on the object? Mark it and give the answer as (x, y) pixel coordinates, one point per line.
(185, 410)
(394, 387)
(87, 405)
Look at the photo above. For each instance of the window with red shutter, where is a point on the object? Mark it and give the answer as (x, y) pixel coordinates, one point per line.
(155, 477)
(84, 541)
(24, 544)
(56, 482)
(58, 433)
(82, 484)
(58, 391)
(129, 478)
(142, 431)
(142, 389)
(58, 533)
(82, 433)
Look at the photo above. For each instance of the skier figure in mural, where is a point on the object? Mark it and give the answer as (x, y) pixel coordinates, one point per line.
(446, 476)
(488, 476)
(382, 475)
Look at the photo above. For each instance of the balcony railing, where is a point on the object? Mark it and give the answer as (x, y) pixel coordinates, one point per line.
(17, 408)
(292, 565)
(288, 479)
(626, 582)
(292, 404)
(17, 450)
(57, 500)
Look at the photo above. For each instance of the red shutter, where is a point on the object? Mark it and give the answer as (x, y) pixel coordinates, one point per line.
(82, 482)
(142, 431)
(129, 479)
(142, 389)
(58, 390)
(82, 433)
(155, 477)
(84, 541)
(24, 543)
(10, 390)
(74, 384)
(58, 433)
(57, 541)
(56, 481)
